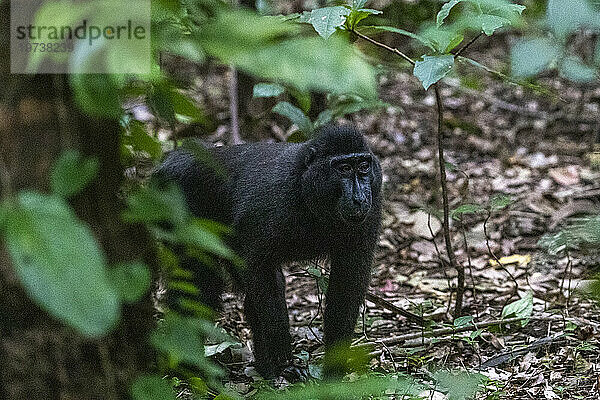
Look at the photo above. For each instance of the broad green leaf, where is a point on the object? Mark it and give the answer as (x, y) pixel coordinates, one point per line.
(483, 15)
(384, 28)
(252, 43)
(358, 15)
(56, 13)
(323, 118)
(185, 110)
(484, 22)
(356, 4)
(130, 280)
(365, 387)
(529, 57)
(445, 11)
(499, 202)
(463, 209)
(140, 140)
(211, 350)
(463, 321)
(153, 205)
(502, 8)
(195, 233)
(106, 56)
(152, 387)
(460, 385)
(522, 308)
(566, 16)
(267, 90)
(182, 338)
(326, 20)
(352, 104)
(98, 94)
(173, 106)
(232, 33)
(60, 264)
(71, 173)
(575, 70)
(295, 115)
(433, 68)
(303, 99)
(443, 39)
(160, 102)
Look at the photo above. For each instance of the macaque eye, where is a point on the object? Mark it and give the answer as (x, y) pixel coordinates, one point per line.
(344, 168)
(364, 167)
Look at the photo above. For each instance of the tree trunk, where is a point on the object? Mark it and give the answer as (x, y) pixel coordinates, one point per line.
(40, 358)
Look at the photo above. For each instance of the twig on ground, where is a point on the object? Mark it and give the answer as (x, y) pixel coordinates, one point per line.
(381, 302)
(452, 330)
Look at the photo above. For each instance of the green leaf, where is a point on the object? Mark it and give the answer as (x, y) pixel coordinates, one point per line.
(152, 387)
(575, 70)
(443, 39)
(484, 22)
(251, 43)
(522, 308)
(459, 385)
(159, 99)
(445, 11)
(98, 94)
(130, 280)
(463, 321)
(295, 115)
(433, 68)
(482, 15)
(267, 90)
(365, 387)
(327, 19)
(64, 273)
(173, 106)
(185, 110)
(195, 233)
(303, 99)
(499, 202)
(566, 16)
(384, 28)
(213, 349)
(323, 118)
(356, 16)
(182, 339)
(140, 140)
(154, 205)
(356, 4)
(463, 209)
(529, 57)
(343, 105)
(71, 173)
(3, 216)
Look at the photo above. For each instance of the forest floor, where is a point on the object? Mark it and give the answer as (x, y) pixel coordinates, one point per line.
(501, 140)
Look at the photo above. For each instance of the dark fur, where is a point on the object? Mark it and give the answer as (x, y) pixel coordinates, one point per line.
(283, 201)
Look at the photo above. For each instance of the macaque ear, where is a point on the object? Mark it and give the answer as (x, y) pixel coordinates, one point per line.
(310, 156)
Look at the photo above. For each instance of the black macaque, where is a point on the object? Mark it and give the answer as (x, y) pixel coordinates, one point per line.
(289, 202)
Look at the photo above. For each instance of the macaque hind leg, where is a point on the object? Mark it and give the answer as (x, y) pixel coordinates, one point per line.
(266, 312)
